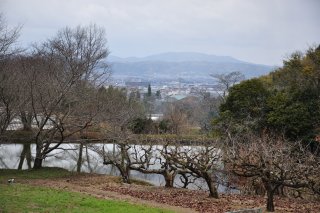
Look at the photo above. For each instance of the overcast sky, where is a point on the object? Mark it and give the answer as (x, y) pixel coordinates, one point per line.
(259, 31)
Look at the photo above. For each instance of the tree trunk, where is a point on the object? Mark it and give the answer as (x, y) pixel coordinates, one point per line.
(22, 156)
(25, 153)
(79, 162)
(39, 158)
(124, 165)
(88, 160)
(26, 119)
(37, 163)
(125, 174)
(28, 156)
(271, 188)
(270, 205)
(280, 191)
(169, 178)
(213, 192)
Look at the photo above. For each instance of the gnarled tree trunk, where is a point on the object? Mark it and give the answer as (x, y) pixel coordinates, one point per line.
(271, 189)
(213, 192)
(169, 178)
(125, 174)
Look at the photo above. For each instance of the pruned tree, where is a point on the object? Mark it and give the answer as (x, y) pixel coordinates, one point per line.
(119, 158)
(275, 161)
(117, 111)
(155, 160)
(202, 162)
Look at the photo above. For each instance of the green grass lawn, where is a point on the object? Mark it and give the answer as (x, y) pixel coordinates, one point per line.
(43, 173)
(50, 172)
(24, 198)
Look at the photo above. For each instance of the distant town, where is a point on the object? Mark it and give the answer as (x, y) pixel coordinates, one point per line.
(169, 90)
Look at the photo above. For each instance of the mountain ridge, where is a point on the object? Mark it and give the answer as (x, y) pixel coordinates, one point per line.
(176, 57)
(189, 65)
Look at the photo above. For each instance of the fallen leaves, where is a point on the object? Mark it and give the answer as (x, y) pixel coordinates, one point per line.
(192, 199)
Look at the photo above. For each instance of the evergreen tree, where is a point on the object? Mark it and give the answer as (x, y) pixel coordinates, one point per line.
(149, 91)
(158, 94)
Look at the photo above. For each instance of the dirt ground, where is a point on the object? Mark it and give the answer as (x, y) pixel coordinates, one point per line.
(178, 200)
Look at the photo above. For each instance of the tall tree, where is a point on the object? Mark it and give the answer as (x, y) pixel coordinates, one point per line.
(225, 81)
(8, 39)
(149, 91)
(294, 106)
(62, 79)
(8, 76)
(245, 107)
(158, 94)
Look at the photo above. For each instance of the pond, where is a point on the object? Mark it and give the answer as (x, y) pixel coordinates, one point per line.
(67, 155)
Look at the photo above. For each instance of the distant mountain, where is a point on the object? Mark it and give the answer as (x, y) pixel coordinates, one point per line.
(176, 57)
(187, 65)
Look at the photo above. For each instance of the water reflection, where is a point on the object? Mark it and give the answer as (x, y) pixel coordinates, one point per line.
(67, 155)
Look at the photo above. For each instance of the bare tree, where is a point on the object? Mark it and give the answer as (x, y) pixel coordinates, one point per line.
(147, 159)
(25, 154)
(8, 48)
(202, 162)
(120, 158)
(9, 101)
(116, 113)
(275, 161)
(120, 155)
(208, 108)
(62, 79)
(177, 117)
(225, 81)
(154, 160)
(8, 39)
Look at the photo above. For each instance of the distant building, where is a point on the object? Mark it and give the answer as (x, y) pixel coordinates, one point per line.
(179, 96)
(156, 117)
(16, 123)
(136, 84)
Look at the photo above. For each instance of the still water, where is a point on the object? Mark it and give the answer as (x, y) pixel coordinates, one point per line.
(67, 155)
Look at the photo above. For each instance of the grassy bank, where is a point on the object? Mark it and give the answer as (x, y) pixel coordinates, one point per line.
(44, 173)
(24, 198)
(52, 172)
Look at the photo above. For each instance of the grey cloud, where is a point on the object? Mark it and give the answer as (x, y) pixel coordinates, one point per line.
(258, 31)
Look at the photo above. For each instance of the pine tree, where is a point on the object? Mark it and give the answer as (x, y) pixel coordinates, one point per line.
(149, 91)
